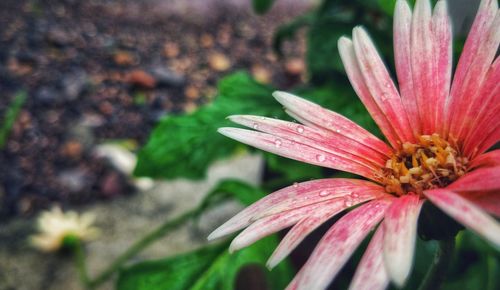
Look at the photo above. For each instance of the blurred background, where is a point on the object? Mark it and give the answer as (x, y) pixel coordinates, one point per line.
(112, 106)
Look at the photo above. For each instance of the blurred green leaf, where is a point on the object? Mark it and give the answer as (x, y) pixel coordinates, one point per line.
(262, 6)
(207, 268)
(335, 18)
(387, 6)
(184, 146)
(10, 116)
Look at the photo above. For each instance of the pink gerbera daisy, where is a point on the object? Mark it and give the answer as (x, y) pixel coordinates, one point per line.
(438, 135)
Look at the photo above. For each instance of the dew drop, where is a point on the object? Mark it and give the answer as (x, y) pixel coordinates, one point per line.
(300, 129)
(347, 201)
(320, 157)
(384, 96)
(295, 185)
(387, 85)
(324, 193)
(354, 195)
(338, 130)
(255, 126)
(278, 143)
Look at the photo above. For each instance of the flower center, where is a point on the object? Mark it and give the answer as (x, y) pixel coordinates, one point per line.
(432, 163)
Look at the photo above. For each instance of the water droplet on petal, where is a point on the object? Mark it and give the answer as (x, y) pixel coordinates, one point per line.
(320, 157)
(338, 130)
(387, 85)
(278, 143)
(354, 195)
(255, 126)
(324, 193)
(384, 96)
(295, 185)
(347, 201)
(300, 129)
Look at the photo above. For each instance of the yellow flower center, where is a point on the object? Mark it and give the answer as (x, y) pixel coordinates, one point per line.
(432, 163)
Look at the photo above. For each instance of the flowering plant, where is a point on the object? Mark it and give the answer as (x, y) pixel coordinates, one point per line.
(438, 133)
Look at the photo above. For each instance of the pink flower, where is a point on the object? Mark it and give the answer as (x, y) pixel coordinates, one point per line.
(438, 135)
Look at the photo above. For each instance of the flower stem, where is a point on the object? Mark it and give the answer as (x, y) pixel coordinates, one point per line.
(442, 260)
(80, 264)
(140, 245)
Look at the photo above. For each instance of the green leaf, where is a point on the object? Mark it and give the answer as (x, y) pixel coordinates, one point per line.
(212, 267)
(262, 6)
(185, 145)
(10, 116)
(336, 18)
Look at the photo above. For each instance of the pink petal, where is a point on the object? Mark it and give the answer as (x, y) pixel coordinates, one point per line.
(493, 137)
(477, 56)
(297, 151)
(348, 56)
(380, 84)
(466, 213)
(315, 137)
(305, 193)
(337, 245)
(302, 229)
(484, 113)
(489, 159)
(486, 135)
(481, 179)
(400, 226)
(272, 224)
(488, 201)
(441, 28)
(402, 56)
(423, 60)
(314, 115)
(371, 273)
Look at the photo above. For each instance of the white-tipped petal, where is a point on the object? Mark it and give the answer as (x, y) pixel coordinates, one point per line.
(400, 227)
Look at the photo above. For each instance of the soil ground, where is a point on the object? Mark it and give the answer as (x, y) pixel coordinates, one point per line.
(105, 70)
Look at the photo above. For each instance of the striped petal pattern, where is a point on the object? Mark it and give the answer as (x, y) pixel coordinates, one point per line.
(371, 273)
(338, 244)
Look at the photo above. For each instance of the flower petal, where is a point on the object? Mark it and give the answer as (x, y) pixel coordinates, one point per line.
(402, 57)
(313, 115)
(483, 114)
(477, 56)
(338, 244)
(481, 179)
(423, 60)
(303, 228)
(370, 273)
(400, 226)
(298, 151)
(303, 194)
(380, 84)
(274, 223)
(441, 28)
(315, 137)
(348, 56)
(488, 159)
(488, 201)
(466, 213)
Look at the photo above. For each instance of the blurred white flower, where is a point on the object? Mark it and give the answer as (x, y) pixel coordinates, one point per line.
(55, 226)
